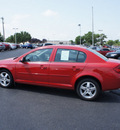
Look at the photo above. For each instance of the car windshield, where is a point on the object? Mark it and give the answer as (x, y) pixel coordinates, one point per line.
(98, 54)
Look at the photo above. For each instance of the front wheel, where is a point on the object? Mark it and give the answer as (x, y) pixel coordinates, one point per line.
(6, 79)
(88, 89)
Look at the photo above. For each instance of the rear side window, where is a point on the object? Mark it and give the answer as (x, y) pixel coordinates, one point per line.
(67, 55)
(81, 57)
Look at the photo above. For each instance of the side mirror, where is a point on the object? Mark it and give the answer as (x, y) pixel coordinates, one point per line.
(22, 60)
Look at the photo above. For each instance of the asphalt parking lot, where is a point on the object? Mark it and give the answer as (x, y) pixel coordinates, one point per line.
(28, 107)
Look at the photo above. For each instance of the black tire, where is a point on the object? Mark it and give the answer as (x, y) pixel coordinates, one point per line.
(6, 79)
(88, 89)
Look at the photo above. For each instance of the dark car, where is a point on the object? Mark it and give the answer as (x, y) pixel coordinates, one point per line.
(47, 44)
(115, 55)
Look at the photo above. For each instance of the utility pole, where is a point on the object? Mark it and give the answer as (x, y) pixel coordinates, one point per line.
(100, 36)
(15, 35)
(92, 28)
(80, 32)
(3, 28)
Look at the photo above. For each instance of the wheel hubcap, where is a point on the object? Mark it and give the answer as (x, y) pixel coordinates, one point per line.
(4, 79)
(88, 90)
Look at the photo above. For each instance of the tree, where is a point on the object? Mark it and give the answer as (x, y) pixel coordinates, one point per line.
(77, 40)
(101, 38)
(117, 41)
(87, 38)
(35, 40)
(71, 41)
(1, 38)
(21, 37)
(110, 42)
(10, 39)
(24, 37)
(44, 40)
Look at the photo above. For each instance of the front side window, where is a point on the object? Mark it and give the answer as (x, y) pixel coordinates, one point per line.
(67, 55)
(39, 55)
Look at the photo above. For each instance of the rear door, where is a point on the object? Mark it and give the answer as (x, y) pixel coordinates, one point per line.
(66, 65)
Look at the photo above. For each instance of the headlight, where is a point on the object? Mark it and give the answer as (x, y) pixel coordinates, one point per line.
(113, 55)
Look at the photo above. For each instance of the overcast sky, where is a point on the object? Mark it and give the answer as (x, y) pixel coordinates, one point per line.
(59, 19)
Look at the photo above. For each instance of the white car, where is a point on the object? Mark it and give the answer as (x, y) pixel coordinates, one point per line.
(2, 47)
(12, 46)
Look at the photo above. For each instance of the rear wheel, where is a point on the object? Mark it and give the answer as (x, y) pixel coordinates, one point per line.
(88, 89)
(6, 79)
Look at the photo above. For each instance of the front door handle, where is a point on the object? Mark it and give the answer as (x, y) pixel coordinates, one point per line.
(42, 67)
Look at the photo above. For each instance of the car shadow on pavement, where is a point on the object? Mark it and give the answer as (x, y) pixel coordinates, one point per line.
(105, 97)
(47, 90)
(109, 97)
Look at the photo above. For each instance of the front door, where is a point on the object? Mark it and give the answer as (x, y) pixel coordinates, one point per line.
(34, 68)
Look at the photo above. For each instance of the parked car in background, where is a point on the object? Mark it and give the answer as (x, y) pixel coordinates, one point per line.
(34, 46)
(2, 46)
(104, 51)
(114, 55)
(7, 46)
(45, 44)
(48, 44)
(12, 46)
(106, 46)
(27, 45)
(95, 47)
(17, 45)
(68, 67)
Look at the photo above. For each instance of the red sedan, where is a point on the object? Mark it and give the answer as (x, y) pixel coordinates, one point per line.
(104, 51)
(71, 67)
(7, 46)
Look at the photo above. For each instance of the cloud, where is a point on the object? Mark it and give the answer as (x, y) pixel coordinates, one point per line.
(49, 13)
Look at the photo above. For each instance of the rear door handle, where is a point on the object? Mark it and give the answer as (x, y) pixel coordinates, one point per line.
(74, 68)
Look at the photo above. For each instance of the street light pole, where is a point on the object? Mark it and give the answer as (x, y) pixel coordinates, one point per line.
(80, 32)
(92, 28)
(3, 28)
(101, 36)
(15, 35)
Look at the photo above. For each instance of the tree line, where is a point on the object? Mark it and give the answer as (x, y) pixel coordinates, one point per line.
(22, 37)
(98, 39)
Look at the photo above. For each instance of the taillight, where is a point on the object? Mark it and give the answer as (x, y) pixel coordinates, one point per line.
(117, 69)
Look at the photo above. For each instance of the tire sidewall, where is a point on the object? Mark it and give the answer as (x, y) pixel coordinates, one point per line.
(93, 82)
(11, 79)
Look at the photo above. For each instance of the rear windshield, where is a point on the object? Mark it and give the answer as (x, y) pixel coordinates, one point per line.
(98, 54)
